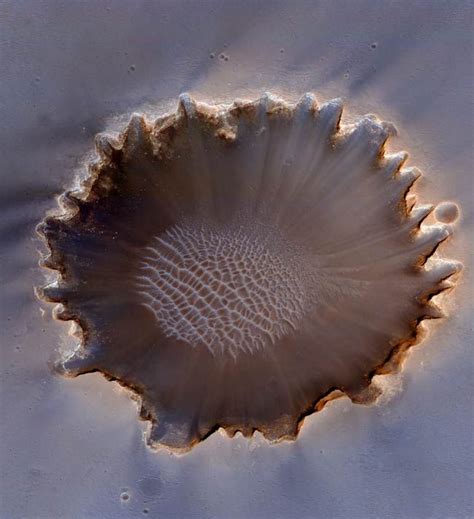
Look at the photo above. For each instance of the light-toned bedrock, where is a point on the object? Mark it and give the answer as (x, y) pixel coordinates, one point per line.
(238, 266)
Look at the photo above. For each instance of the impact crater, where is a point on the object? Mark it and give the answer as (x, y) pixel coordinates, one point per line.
(238, 266)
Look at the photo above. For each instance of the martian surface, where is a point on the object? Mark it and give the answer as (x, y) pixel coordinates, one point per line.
(192, 298)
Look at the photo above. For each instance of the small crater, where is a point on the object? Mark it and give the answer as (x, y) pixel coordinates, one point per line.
(124, 496)
(374, 45)
(447, 212)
